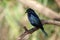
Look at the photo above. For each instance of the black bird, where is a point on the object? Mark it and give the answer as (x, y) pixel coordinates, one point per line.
(34, 19)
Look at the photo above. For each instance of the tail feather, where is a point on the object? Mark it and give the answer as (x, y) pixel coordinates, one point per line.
(44, 32)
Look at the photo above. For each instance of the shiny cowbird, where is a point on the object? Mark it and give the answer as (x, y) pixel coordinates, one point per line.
(34, 19)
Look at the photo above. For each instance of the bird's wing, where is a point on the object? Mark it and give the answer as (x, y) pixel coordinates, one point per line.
(35, 20)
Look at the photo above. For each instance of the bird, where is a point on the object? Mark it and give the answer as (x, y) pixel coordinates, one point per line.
(35, 20)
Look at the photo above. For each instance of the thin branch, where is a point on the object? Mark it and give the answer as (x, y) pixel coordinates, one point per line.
(53, 22)
(27, 32)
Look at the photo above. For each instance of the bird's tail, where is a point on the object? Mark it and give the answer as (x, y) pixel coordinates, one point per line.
(45, 33)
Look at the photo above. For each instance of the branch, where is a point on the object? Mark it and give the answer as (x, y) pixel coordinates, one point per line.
(53, 22)
(41, 9)
(27, 32)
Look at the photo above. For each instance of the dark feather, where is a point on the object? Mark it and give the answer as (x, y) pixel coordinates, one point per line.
(34, 19)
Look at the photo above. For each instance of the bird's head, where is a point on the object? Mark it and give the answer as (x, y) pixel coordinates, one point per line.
(29, 10)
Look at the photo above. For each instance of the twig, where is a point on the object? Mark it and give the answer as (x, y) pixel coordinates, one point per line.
(53, 22)
(27, 32)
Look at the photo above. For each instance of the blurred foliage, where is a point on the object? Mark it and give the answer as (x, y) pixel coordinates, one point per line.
(15, 11)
